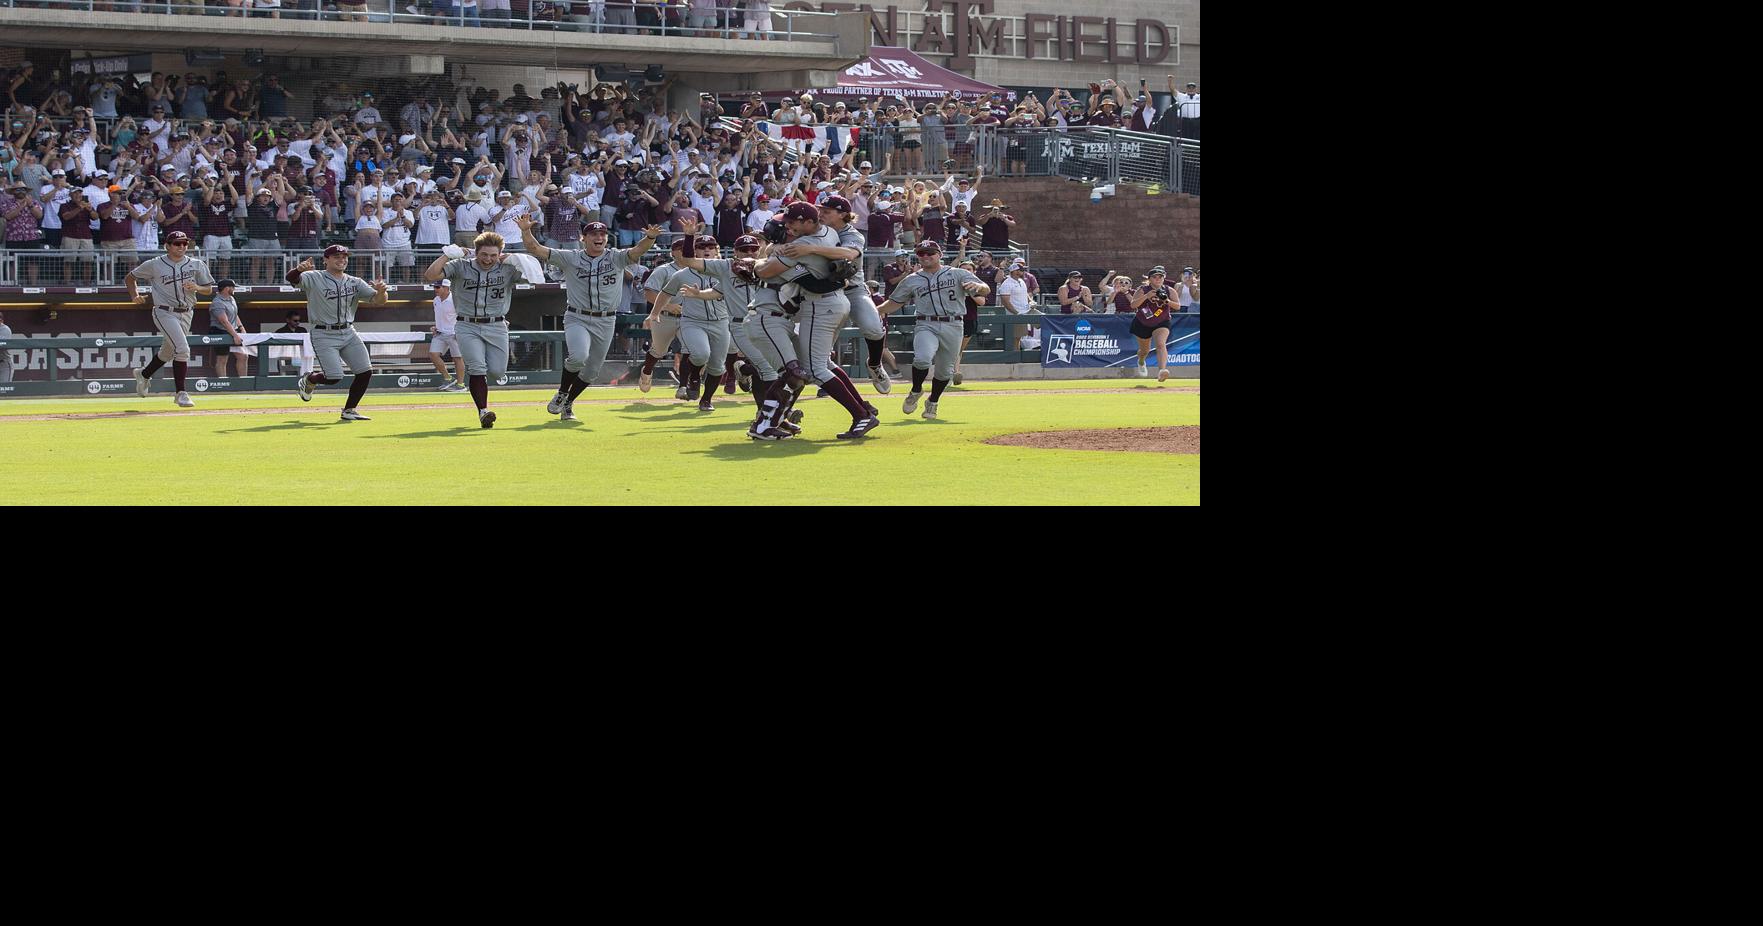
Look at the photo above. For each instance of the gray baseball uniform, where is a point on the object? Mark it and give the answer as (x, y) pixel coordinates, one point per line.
(703, 326)
(331, 304)
(941, 305)
(173, 307)
(5, 356)
(595, 286)
(863, 311)
(666, 327)
(820, 315)
(482, 294)
(744, 326)
(771, 332)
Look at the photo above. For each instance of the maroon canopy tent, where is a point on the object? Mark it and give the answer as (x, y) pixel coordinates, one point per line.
(899, 72)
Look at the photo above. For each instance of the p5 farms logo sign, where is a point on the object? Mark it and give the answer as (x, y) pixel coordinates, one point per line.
(108, 386)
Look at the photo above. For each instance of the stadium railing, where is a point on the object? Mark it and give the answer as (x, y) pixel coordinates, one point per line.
(530, 15)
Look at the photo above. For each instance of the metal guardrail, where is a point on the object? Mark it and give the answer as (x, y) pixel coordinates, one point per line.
(609, 17)
(106, 268)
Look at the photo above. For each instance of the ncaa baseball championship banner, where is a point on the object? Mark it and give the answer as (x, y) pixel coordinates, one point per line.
(1098, 340)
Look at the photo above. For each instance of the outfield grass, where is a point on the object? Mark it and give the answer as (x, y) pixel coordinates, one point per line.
(623, 451)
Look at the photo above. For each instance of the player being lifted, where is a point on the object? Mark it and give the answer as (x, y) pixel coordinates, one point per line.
(332, 297)
(935, 293)
(836, 214)
(804, 266)
(483, 288)
(174, 279)
(594, 280)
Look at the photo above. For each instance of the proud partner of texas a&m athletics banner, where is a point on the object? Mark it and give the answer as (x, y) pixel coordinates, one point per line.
(1100, 340)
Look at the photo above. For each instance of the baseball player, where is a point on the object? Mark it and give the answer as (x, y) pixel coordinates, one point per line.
(446, 338)
(483, 288)
(332, 297)
(935, 293)
(703, 330)
(805, 270)
(593, 278)
(836, 213)
(175, 280)
(663, 325)
(757, 373)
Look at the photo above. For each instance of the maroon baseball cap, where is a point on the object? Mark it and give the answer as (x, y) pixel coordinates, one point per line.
(746, 243)
(592, 227)
(835, 203)
(335, 250)
(801, 212)
(928, 247)
(706, 241)
(177, 237)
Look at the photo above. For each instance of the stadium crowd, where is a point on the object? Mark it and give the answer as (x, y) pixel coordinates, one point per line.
(408, 165)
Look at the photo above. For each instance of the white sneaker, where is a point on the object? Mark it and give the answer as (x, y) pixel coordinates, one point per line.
(878, 378)
(930, 411)
(143, 385)
(446, 386)
(1163, 374)
(680, 393)
(304, 389)
(459, 387)
(1143, 372)
(556, 404)
(184, 400)
(911, 402)
(644, 381)
(350, 414)
(569, 412)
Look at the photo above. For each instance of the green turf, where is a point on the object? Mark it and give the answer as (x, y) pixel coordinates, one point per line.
(621, 452)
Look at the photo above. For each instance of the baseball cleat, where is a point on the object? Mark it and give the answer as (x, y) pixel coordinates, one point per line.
(446, 386)
(1163, 374)
(183, 400)
(861, 428)
(789, 429)
(556, 404)
(957, 379)
(459, 387)
(142, 384)
(569, 413)
(1142, 373)
(705, 405)
(766, 435)
(644, 381)
(680, 393)
(486, 419)
(350, 414)
(728, 386)
(795, 417)
(303, 389)
(821, 393)
(878, 378)
(911, 405)
(930, 411)
(745, 382)
(692, 389)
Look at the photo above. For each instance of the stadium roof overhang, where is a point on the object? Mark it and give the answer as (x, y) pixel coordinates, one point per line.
(60, 28)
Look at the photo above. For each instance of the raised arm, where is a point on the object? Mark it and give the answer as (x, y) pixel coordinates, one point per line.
(530, 241)
(436, 271)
